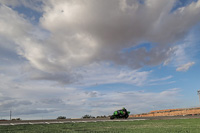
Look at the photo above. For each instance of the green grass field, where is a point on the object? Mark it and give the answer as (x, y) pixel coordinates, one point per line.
(146, 126)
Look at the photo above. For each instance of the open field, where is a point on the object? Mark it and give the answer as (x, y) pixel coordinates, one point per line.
(145, 126)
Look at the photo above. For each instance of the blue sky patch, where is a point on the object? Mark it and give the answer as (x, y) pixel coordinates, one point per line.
(147, 45)
(181, 3)
(30, 14)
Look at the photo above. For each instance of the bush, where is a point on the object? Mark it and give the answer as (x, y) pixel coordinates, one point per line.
(16, 119)
(102, 116)
(88, 116)
(61, 117)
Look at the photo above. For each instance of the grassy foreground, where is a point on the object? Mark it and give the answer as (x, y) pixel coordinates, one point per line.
(146, 126)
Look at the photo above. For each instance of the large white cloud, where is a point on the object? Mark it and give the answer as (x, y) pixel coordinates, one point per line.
(112, 26)
(80, 33)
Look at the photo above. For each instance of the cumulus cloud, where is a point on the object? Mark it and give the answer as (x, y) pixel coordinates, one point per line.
(80, 33)
(112, 26)
(185, 67)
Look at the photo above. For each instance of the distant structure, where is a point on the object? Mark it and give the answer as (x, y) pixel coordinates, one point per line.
(198, 93)
(170, 112)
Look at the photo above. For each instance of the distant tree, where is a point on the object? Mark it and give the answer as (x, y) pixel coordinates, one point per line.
(88, 116)
(18, 119)
(61, 117)
(104, 116)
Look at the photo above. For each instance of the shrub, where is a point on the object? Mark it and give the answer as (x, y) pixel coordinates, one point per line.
(61, 117)
(88, 116)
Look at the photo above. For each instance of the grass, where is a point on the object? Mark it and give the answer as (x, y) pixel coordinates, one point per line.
(147, 126)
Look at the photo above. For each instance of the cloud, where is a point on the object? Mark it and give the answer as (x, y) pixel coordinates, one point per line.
(185, 67)
(14, 29)
(161, 79)
(97, 74)
(140, 101)
(9, 104)
(132, 24)
(109, 28)
(52, 101)
(179, 53)
(32, 111)
(76, 34)
(29, 101)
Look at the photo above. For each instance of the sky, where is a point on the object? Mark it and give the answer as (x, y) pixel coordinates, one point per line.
(76, 57)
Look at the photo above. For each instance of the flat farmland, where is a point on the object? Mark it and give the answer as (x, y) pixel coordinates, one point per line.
(143, 126)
